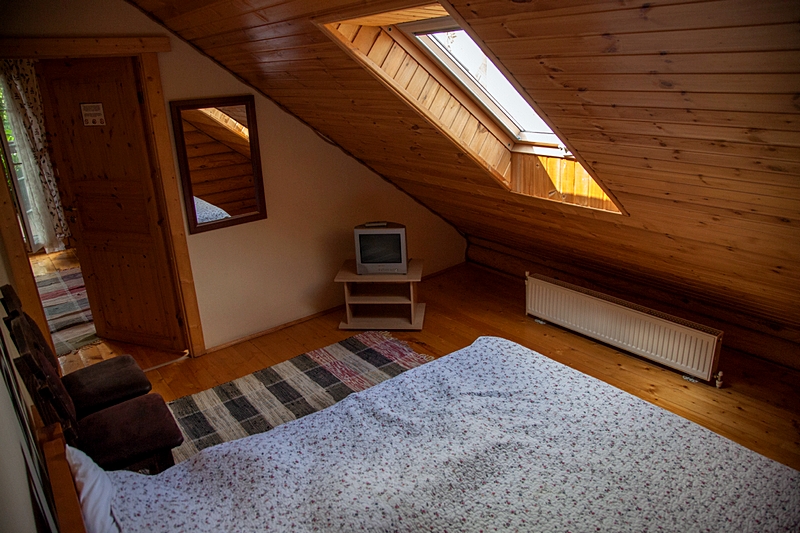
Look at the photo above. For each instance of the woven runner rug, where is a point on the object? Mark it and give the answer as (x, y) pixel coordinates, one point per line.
(67, 310)
(286, 391)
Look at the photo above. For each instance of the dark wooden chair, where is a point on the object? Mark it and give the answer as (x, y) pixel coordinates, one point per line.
(134, 434)
(92, 388)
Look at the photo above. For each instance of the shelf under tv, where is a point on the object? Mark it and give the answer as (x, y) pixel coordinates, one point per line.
(381, 301)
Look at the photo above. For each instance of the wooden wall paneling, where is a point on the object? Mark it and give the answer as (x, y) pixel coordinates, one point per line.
(221, 16)
(706, 173)
(665, 63)
(365, 38)
(221, 170)
(657, 184)
(636, 18)
(773, 206)
(526, 174)
(749, 173)
(401, 15)
(789, 121)
(255, 45)
(64, 47)
(750, 134)
(710, 213)
(442, 185)
(451, 87)
(664, 247)
(716, 228)
(717, 225)
(598, 159)
(720, 299)
(759, 83)
(234, 139)
(691, 302)
(722, 40)
(557, 179)
(742, 332)
(478, 10)
(262, 32)
(397, 71)
(380, 50)
(766, 157)
(425, 171)
(216, 161)
(320, 52)
(689, 102)
(302, 66)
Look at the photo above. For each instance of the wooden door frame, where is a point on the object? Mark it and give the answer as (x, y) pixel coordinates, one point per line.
(166, 186)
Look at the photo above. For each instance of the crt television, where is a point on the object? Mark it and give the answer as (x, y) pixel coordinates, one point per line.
(381, 248)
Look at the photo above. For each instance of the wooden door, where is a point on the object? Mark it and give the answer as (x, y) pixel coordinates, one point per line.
(105, 176)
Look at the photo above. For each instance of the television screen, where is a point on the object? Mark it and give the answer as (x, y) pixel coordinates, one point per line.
(381, 248)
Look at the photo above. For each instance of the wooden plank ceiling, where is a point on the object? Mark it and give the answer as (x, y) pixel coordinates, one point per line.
(686, 111)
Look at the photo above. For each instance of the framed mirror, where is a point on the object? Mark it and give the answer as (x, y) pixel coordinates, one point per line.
(219, 161)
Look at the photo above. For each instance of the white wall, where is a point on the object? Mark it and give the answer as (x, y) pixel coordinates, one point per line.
(256, 276)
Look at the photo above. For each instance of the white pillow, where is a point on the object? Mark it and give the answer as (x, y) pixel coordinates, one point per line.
(95, 491)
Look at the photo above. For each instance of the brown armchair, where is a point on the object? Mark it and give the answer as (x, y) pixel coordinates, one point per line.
(92, 388)
(136, 433)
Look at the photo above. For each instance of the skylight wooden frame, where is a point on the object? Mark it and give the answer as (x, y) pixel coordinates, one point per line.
(498, 169)
(395, 59)
(421, 30)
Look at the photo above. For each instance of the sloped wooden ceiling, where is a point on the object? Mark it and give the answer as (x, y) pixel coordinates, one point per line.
(687, 111)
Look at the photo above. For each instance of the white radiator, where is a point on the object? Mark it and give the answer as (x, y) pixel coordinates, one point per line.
(671, 341)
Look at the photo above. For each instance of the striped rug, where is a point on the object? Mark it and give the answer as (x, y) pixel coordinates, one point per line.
(66, 307)
(286, 391)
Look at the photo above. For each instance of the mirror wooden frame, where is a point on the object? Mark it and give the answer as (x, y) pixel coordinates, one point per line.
(177, 109)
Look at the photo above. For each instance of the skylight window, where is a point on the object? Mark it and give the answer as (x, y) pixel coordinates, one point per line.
(463, 59)
(435, 68)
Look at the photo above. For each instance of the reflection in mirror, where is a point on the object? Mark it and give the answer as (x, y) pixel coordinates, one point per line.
(218, 155)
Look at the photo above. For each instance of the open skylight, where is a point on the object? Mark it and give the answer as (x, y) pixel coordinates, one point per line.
(463, 59)
(440, 72)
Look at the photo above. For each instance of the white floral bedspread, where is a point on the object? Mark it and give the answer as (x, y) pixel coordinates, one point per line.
(493, 437)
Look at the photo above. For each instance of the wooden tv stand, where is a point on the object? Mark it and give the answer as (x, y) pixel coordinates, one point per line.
(381, 301)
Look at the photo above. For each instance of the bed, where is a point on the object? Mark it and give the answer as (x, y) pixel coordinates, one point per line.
(491, 437)
(207, 212)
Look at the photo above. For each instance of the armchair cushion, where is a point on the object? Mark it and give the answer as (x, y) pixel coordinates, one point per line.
(129, 432)
(105, 384)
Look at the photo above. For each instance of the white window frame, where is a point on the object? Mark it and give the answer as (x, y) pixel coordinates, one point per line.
(540, 143)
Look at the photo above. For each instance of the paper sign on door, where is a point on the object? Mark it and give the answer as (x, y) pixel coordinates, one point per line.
(93, 114)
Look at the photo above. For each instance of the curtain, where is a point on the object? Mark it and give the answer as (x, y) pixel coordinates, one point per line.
(25, 112)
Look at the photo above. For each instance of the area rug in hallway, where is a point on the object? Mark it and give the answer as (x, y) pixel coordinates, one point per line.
(286, 391)
(66, 307)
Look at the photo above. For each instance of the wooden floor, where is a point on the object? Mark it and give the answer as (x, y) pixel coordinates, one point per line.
(57, 261)
(758, 407)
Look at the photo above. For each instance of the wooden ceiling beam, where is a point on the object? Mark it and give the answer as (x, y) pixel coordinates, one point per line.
(64, 47)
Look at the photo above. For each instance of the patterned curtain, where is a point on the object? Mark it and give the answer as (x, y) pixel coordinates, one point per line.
(21, 92)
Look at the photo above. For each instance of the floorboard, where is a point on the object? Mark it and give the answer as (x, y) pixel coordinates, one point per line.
(758, 407)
